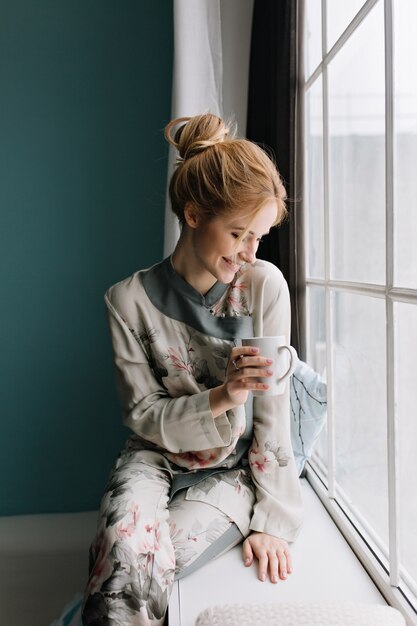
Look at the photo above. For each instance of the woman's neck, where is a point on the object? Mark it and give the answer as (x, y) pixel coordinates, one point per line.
(185, 263)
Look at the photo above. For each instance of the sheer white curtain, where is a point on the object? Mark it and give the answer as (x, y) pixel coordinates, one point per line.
(211, 68)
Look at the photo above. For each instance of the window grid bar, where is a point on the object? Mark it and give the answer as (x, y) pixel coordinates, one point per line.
(408, 296)
(392, 421)
(347, 33)
(331, 477)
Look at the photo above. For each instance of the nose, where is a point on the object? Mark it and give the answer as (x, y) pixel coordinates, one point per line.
(248, 252)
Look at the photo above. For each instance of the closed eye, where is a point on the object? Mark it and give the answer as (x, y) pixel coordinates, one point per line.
(237, 235)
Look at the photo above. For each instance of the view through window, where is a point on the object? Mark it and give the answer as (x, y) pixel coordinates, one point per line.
(360, 99)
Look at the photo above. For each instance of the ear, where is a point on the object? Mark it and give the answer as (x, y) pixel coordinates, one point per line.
(191, 217)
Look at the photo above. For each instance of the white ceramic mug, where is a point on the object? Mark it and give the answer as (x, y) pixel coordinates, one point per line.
(284, 361)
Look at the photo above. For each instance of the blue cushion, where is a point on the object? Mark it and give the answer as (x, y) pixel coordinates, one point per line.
(308, 411)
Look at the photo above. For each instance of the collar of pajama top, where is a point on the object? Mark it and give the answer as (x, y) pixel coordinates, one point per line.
(177, 299)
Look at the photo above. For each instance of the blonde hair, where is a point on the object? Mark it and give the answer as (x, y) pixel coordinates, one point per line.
(219, 174)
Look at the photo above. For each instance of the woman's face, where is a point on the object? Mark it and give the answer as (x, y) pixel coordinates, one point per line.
(218, 254)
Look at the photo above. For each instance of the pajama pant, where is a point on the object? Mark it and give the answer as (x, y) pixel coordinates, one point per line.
(144, 542)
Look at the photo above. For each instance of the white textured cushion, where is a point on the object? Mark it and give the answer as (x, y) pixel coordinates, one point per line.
(301, 614)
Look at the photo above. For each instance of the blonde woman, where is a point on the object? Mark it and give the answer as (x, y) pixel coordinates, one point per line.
(207, 465)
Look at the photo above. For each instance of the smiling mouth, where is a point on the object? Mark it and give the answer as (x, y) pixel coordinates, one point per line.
(234, 266)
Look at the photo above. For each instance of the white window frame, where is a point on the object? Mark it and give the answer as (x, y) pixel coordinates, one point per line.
(382, 566)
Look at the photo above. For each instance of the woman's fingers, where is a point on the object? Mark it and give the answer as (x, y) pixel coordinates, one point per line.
(237, 353)
(283, 566)
(275, 563)
(289, 561)
(243, 366)
(273, 567)
(243, 350)
(247, 553)
(255, 372)
(262, 565)
(273, 554)
(252, 361)
(245, 369)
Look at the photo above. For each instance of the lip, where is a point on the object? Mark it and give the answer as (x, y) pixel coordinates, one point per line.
(234, 267)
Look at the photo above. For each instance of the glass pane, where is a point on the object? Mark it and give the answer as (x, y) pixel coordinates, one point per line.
(316, 352)
(314, 181)
(316, 316)
(406, 335)
(339, 16)
(405, 147)
(312, 35)
(357, 154)
(360, 405)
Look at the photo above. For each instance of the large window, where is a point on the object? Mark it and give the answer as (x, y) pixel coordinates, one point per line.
(360, 99)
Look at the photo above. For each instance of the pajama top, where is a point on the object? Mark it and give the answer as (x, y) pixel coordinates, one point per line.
(171, 346)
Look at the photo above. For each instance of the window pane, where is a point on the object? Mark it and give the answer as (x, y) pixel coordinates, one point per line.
(360, 405)
(312, 35)
(339, 16)
(405, 155)
(314, 181)
(316, 353)
(316, 316)
(357, 154)
(406, 334)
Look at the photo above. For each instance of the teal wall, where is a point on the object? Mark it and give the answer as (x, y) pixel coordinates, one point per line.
(85, 91)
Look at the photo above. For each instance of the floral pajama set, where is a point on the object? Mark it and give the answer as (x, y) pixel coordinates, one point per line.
(187, 486)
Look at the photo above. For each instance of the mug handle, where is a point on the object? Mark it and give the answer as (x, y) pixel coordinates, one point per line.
(293, 362)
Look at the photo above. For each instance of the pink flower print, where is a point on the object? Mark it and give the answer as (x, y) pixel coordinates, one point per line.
(236, 298)
(192, 538)
(238, 431)
(206, 455)
(151, 540)
(280, 453)
(234, 301)
(262, 462)
(178, 362)
(204, 458)
(175, 532)
(145, 563)
(134, 509)
(157, 537)
(103, 568)
(127, 530)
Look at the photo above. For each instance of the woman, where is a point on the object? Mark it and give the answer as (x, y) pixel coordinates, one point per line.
(204, 469)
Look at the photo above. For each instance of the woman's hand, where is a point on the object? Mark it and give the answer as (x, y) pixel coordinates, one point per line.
(243, 371)
(273, 556)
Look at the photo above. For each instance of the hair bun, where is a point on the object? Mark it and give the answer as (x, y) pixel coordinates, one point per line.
(197, 134)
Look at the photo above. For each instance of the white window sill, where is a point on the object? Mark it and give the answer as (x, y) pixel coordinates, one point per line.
(325, 568)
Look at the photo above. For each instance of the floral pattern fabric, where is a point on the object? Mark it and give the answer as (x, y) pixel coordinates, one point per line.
(141, 545)
(165, 368)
